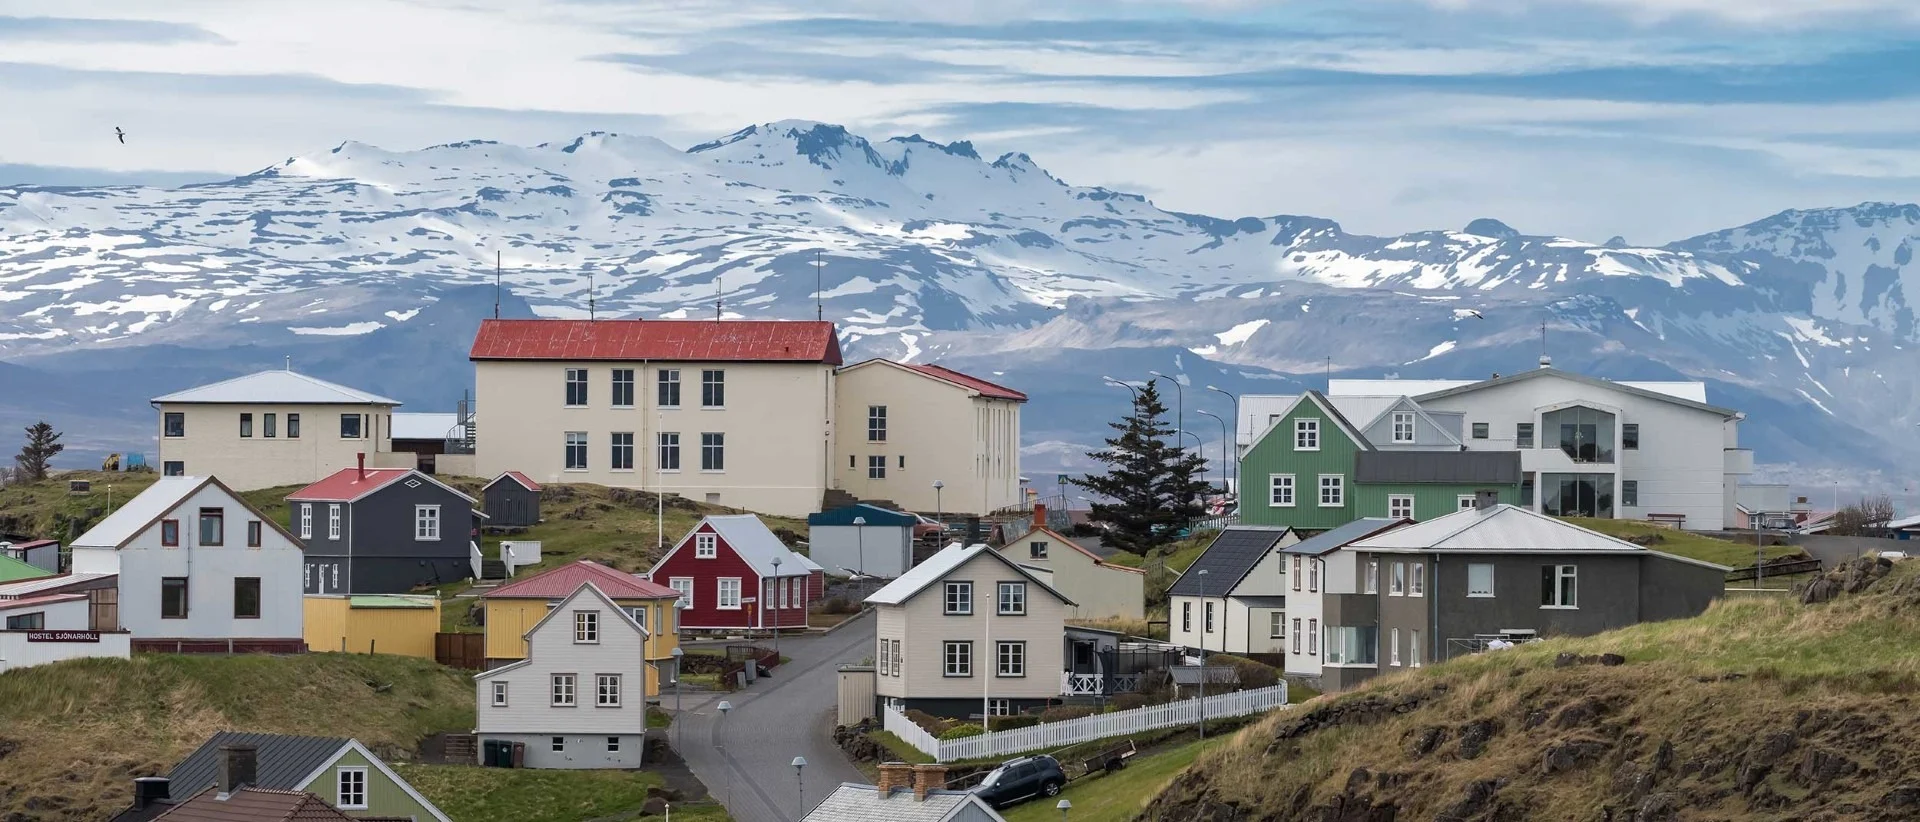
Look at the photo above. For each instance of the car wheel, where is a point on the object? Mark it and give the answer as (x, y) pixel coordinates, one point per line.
(1051, 789)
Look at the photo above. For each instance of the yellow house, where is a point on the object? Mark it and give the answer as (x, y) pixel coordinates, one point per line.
(1098, 588)
(513, 609)
(379, 624)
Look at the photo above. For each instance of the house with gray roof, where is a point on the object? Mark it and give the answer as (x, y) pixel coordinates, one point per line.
(1318, 569)
(340, 772)
(906, 793)
(274, 428)
(1233, 598)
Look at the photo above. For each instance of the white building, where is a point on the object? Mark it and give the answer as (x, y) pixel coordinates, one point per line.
(196, 562)
(1321, 569)
(1239, 604)
(274, 428)
(579, 699)
(1595, 447)
(904, 426)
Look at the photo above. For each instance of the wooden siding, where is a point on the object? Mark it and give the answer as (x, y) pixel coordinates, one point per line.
(332, 624)
(384, 797)
(509, 620)
(529, 707)
(924, 627)
(1430, 500)
(1275, 454)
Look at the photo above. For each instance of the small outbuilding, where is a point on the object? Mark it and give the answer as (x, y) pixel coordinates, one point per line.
(862, 540)
(43, 554)
(512, 500)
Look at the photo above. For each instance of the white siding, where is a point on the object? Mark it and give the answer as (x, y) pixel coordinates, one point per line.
(1268, 578)
(17, 652)
(843, 549)
(923, 626)
(552, 650)
(72, 615)
(210, 573)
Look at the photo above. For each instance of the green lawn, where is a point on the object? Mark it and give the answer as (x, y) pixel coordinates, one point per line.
(1684, 543)
(473, 794)
(1116, 797)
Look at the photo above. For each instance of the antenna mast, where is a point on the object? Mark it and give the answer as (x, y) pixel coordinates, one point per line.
(590, 314)
(719, 295)
(819, 308)
(496, 284)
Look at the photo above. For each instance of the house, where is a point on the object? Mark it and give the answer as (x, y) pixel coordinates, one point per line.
(1322, 462)
(399, 624)
(862, 540)
(940, 650)
(427, 436)
(906, 793)
(512, 500)
(1447, 586)
(341, 773)
(1596, 447)
(734, 575)
(196, 563)
(1771, 506)
(382, 531)
(1230, 598)
(902, 426)
(1320, 570)
(101, 592)
(273, 428)
(15, 570)
(217, 805)
(515, 608)
(1099, 589)
(36, 629)
(39, 553)
(1904, 528)
(1100, 662)
(579, 698)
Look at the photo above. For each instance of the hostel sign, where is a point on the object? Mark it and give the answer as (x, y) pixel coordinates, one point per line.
(64, 636)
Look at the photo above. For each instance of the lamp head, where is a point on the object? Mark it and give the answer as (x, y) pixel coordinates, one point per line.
(1156, 373)
(725, 706)
(1064, 805)
(799, 762)
(937, 485)
(859, 520)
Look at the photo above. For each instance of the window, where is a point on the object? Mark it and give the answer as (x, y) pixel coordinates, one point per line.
(1393, 647)
(613, 744)
(1399, 506)
(1277, 626)
(1413, 649)
(306, 520)
(213, 526)
(1037, 549)
(685, 586)
(1353, 645)
(173, 598)
(999, 707)
(353, 788)
(1209, 616)
(170, 533)
(1280, 491)
(958, 659)
(902, 463)
(1630, 493)
(333, 521)
(586, 627)
(175, 425)
(1013, 599)
(1398, 585)
(622, 457)
(246, 425)
(1464, 502)
(1403, 426)
(1479, 579)
(350, 426)
(1373, 577)
(499, 694)
(1296, 636)
(576, 451)
(1186, 617)
(706, 546)
(1479, 433)
(246, 598)
(668, 382)
(173, 468)
(669, 459)
(1306, 435)
(606, 691)
(1296, 575)
(1577, 495)
(852, 462)
(1583, 434)
(36, 621)
(899, 654)
(268, 428)
(576, 387)
(1313, 637)
(1523, 435)
(876, 467)
(1313, 576)
(713, 452)
(729, 594)
(1629, 436)
(959, 598)
(1333, 490)
(1012, 658)
(885, 667)
(1417, 580)
(293, 426)
(784, 589)
(876, 423)
(563, 691)
(713, 388)
(426, 523)
(1559, 585)
(622, 388)
(1526, 489)
(559, 744)
(253, 533)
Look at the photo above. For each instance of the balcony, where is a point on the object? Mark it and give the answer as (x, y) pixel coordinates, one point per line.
(1738, 461)
(1072, 684)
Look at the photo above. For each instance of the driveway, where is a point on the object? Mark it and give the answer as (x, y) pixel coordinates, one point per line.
(776, 719)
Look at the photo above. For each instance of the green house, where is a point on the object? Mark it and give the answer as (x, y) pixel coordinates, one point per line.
(1324, 461)
(340, 771)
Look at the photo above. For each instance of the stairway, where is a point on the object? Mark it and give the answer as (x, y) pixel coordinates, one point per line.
(836, 498)
(493, 569)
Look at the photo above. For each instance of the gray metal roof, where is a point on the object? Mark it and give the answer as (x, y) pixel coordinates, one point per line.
(1333, 539)
(1491, 467)
(938, 566)
(138, 514)
(280, 387)
(1544, 371)
(863, 803)
(281, 761)
(1227, 560)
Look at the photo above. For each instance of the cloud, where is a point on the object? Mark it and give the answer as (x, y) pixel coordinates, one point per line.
(77, 30)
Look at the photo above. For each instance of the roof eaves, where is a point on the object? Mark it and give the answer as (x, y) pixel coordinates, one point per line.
(1581, 378)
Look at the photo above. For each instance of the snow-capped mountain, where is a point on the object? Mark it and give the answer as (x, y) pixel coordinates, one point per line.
(372, 267)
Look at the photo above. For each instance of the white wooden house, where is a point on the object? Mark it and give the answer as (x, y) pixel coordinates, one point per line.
(579, 698)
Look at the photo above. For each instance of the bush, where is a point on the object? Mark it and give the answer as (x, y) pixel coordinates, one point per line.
(1008, 723)
(838, 605)
(1129, 702)
(1252, 674)
(1065, 712)
(962, 731)
(928, 722)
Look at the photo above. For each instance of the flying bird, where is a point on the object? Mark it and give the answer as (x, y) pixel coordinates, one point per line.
(1476, 315)
(120, 134)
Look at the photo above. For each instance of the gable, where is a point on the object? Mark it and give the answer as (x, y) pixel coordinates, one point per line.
(1427, 432)
(141, 516)
(1334, 427)
(950, 560)
(587, 597)
(1580, 380)
(354, 754)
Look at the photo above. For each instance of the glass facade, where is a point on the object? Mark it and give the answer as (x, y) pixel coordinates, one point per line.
(1577, 495)
(1583, 434)
(1353, 645)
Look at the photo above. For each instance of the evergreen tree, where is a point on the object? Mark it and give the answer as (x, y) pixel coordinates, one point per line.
(43, 444)
(1150, 482)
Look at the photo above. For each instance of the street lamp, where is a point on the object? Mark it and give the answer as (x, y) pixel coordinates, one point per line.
(781, 584)
(1130, 389)
(860, 534)
(800, 780)
(1179, 397)
(720, 734)
(1236, 426)
(1224, 478)
(1202, 445)
(1064, 806)
(1206, 623)
(677, 717)
(939, 511)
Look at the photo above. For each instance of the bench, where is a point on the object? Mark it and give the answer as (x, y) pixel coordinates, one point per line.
(1673, 521)
(1111, 759)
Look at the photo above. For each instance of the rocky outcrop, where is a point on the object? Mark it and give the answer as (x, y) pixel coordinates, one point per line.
(1851, 577)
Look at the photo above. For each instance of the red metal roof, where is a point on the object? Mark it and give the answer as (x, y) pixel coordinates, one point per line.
(985, 388)
(566, 579)
(30, 602)
(38, 543)
(346, 485)
(660, 340)
(518, 477)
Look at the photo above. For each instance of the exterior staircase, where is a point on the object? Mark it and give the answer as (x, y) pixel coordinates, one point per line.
(493, 569)
(836, 498)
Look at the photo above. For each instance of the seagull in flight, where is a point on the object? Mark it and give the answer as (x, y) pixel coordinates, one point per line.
(120, 134)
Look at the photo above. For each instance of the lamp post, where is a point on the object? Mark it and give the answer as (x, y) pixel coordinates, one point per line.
(800, 781)
(1235, 463)
(1202, 445)
(1179, 399)
(1223, 449)
(860, 534)
(939, 511)
(782, 585)
(720, 734)
(1206, 623)
(1130, 389)
(1064, 806)
(677, 718)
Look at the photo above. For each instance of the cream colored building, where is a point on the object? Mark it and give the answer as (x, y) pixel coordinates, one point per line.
(967, 630)
(274, 428)
(903, 426)
(1099, 589)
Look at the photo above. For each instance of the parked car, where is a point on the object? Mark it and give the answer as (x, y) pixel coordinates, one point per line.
(1018, 780)
(927, 527)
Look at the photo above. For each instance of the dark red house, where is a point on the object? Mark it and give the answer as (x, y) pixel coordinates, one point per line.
(734, 575)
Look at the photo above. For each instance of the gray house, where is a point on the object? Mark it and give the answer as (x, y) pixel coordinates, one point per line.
(383, 531)
(512, 500)
(43, 554)
(1453, 585)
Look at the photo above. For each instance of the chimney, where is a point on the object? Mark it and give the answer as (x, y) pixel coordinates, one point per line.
(363, 465)
(894, 775)
(149, 791)
(238, 766)
(928, 778)
(1483, 500)
(1039, 515)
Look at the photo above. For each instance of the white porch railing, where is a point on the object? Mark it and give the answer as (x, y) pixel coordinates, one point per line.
(474, 557)
(1055, 735)
(1072, 684)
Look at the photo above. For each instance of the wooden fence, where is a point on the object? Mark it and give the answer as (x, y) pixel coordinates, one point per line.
(467, 651)
(1054, 735)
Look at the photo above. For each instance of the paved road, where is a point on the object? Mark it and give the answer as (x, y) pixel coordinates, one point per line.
(774, 720)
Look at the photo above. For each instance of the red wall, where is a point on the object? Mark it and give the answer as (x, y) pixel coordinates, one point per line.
(706, 575)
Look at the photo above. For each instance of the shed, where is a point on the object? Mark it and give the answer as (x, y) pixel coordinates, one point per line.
(882, 546)
(39, 553)
(399, 624)
(512, 499)
(856, 694)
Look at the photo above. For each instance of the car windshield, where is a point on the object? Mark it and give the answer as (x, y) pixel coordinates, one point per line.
(994, 777)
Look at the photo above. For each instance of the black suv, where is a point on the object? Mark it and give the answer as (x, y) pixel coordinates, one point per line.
(1022, 779)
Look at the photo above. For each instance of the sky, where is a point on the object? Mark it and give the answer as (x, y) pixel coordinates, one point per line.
(1650, 119)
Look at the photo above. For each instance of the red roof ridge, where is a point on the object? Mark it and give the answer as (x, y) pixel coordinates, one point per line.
(561, 581)
(1097, 559)
(524, 480)
(806, 341)
(986, 388)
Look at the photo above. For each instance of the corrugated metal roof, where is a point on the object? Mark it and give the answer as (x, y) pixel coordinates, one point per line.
(30, 587)
(1411, 388)
(138, 513)
(281, 761)
(347, 485)
(863, 803)
(1497, 529)
(657, 340)
(1263, 602)
(985, 388)
(1670, 392)
(874, 515)
(1069, 542)
(427, 426)
(525, 481)
(938, 566)
(1333, 539)
(1227, 560)
(1361, 410)
(278, 387)
(1455, 467)
(1257, 412)
(13, 570)
(254, 805)
(755, 543)
(39, 601)
(389, 601)
(561, 582)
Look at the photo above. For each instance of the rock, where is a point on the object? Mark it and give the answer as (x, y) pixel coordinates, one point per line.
(1660, 807)
(1479, 798)
(1566, 660)
(1577, 715)
(1358, 780)
(8, 746)
(1612, 660)
(1427, 741)
(654, 806)
(1818, 768)
(1663, 757)
(1572, 755)
(1475, 735)
(1903, 796)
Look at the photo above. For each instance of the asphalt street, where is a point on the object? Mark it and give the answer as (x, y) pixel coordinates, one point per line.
(745, 759)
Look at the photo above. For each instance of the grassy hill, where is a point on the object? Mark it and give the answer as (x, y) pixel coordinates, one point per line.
(1762, 709)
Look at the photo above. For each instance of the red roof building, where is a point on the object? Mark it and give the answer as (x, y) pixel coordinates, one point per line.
(561, 582)
(986, 389)
(657, 341)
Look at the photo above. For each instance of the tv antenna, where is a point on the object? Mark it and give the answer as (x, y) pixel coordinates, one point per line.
(819, 307)
(496, 284)
(590, 305)
(719, 295)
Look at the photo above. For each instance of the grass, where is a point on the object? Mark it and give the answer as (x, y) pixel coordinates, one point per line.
(899, 749)
(472, 794)
(1183, 553)
(1116, 797)
(1131, 627)
(1685, 543)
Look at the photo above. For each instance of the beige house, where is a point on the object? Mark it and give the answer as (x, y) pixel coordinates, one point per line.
(904, 426)
(1100, 588)
(969, 630)
(274, 428)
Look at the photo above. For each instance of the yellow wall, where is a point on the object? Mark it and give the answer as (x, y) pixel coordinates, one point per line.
(402, 631)
(509, 620)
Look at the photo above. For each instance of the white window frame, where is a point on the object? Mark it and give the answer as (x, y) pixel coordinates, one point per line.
(663, 378)
(1397, 580)
(426, 523)
(1372, 582)
(586, 627)
(1339, 488)
(706, 546)
(1306, 434)
(1277, 626)
(1296, 635)
(1297, 574)
(685, 586)
(1413, 648)
(717, 449)
(575, 376)
(1010, 599)
(613, 744)
(613, 387)
(885, 658)
(951, 595)
(1562, 573)
(956, 666)
(1400, 505)
(1280, 491)
(1393, 653)
(333, 520)
(563, 691)
(558, 744)
(715, 378)
(1313, 637)
(1464, 502)
(999, 707)
(720, 593)
(780, 585)
(1010, 658)
(616, 450)
(341, 778)
(1417, 580)
(306, 520)
(1400, 417)
(1313, 575)
(664, 448)
(1488, 593)
(573, 440)
(876, 466)
(899, 656)
(606, 690)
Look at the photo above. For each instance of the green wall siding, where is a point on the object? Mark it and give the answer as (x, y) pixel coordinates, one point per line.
(1275, 454)
(1429, 500)
(384, 797)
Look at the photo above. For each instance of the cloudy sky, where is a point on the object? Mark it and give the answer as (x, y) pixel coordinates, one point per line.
(1653, 119)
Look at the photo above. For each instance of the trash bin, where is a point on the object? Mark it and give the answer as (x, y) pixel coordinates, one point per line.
(518, 756)
(489, 753)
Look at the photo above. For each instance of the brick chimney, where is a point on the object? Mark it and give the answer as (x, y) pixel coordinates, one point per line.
(894, 775)
(363, 465)
(1039, 515)
(239, 765)
(928, 778)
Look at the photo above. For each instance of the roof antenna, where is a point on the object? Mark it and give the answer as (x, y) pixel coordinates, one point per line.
(819, 308)
(590, 316)
(289, 362)
(719, 294)
(1545, 361)
(496, 284)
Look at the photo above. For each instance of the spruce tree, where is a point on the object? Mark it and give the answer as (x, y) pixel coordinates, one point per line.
(1150, 482)
(43, 444)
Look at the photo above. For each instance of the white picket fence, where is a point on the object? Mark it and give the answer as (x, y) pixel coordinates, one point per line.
(1054, 735)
